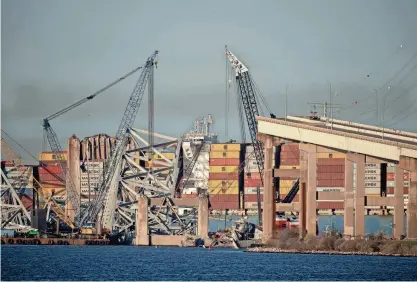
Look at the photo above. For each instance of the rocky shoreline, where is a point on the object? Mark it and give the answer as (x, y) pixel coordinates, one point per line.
(278, 250)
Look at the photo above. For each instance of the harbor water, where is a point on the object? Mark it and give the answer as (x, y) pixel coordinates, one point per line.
(126, 263)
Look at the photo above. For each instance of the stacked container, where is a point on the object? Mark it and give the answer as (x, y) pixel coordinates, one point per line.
(198, 178)
(50, 184)
(89, 180)
(391, 183)
(289, 158)
(252, 179)
(330, 180)
(224, 177)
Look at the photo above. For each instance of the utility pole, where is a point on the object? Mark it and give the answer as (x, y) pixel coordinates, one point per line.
(376, 106)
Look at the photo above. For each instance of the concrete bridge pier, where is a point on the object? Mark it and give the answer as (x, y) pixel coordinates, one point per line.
(359, 187)
(410, 164)
(399, 203)
(203, 216)
(348, 214)
(308, 168)
(142, 230)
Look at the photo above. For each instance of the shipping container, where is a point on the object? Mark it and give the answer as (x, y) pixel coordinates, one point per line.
(188, 196)
(330, 205)
(330, 168)
(391, 176)
(224, 205)
(331, 162)
(169, 156)
(253, 175)
(50, 169)
(330, 176)
(284, 190)
(372, 184)
(46, 177)
(330, 156)
(373, 165)
(253, 190)
(252, 205)
(252, 198)
(289, 162)
(390, 190)
(252, 182)
(290, 166)
(372, 171)
(330, 189)
(50, 156)
(224, 176)
(330, 196)
(219, 190)
(372, 191)
(286, 183)
(290, 147)
(220, 155)
(290, 154)
(220, 169)
(249, 149)
(225, 147)
(373, 177)
(224, 162)
(223, 183)
(331, 183)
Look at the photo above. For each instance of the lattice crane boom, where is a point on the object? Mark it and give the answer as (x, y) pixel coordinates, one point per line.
(246, 89)
(110, 167)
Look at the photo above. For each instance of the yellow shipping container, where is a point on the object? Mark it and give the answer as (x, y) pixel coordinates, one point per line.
(331, 155)
(230, 169)
(289, 166)
(225, 183)
(284, 190)
(169, 156)
(224, 154)
(49, 156)
(286, 183)
(220, 191)
(225, 147)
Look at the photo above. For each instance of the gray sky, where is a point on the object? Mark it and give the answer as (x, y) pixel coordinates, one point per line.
(56, 52)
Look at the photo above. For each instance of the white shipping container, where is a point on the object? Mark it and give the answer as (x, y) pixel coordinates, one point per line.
(390, 183)
(372, 177)
(372, 165)
(372, 171)
(390, 169)
(252, 190)
(372, 184)
(372, 191)
(406, 183)
(252, 205)
(330, 189)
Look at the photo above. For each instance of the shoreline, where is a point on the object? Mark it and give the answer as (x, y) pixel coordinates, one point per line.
(285, 251)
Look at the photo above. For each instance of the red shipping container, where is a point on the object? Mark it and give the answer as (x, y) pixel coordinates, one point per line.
(223, 176)
(188, 196)
(292, 161)
(224, 162)
(224, 205)
(50, 168)
(330, 205)
(390, 190)
(391, 176)
(331, 168)
(50, 177)
(224, 198)
(405, 191)
(252, 198)
(252, 182)
(331, 183)
(52, 185)
(290, 147)
(290, 154)
(331, 162)
(253, 175)
(333, 176)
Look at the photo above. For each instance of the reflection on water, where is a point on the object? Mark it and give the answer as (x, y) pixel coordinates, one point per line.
(373, 223)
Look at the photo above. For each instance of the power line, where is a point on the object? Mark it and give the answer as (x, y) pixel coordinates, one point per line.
(11, 138)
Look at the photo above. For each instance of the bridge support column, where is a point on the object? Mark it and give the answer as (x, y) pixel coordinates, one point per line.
(142, 230)
(359, 187)
(309, 152)
(269, 209)
(203, 215)
(349, 199)
(302, 216)
(410, 164)
(399, 203)
(73, 165)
